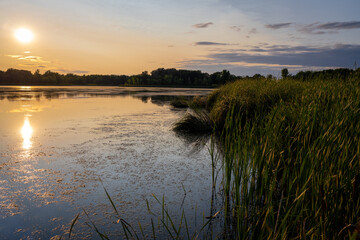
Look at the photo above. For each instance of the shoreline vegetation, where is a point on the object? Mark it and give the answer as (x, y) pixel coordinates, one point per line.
(290, 154)
(159, 77)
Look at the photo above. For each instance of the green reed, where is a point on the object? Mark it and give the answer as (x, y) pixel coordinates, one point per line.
(291, 158)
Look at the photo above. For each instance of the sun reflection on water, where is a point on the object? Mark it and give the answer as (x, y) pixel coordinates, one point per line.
(25, 87)
(26, 133)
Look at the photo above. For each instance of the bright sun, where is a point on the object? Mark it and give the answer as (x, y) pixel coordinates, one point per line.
(24, 35)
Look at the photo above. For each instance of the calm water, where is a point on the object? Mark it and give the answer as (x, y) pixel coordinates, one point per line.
(60, 145)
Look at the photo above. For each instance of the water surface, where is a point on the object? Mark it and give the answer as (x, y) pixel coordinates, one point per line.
(60, 146)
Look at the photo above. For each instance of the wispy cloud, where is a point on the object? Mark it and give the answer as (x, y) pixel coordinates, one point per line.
(330, 27)
(203, 25)
(34, 59)
(318, 28)
(339, 25)
(278, 25)
(80, 71)
(253, 31)
(208, 43)
(236, 28)
(61, 70)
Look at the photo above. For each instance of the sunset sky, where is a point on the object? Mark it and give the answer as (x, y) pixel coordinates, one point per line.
(128, 37)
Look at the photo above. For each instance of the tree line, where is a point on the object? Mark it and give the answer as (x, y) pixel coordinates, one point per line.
(160, 77)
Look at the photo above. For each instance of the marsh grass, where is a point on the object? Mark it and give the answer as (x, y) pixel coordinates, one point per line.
(198, 102)
(250, 98)
(194, 121)
(179, 103)
(291, 159)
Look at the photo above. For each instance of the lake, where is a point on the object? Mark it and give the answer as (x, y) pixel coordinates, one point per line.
(61, 146)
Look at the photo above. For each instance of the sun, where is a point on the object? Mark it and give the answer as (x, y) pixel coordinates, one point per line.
(24, 35)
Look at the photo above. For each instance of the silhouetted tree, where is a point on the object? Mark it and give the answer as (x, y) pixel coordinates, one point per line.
(269, 77)
(284, 73)
(258, 76)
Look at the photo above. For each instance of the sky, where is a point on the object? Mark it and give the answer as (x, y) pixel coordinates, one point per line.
(129, 37)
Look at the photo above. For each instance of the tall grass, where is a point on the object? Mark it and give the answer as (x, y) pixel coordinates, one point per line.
(250, 97)
(291, 158)
(194, 121)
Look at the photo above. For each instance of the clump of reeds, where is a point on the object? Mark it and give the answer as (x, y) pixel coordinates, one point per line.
(179, 103)
(249, 98)
(194, 121)
(199, 102)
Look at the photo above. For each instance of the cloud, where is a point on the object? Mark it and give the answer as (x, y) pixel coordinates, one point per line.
(318, 28)
(236, 28)
(340, 25)
(240, 68)
(203, 25)
(14, 56)
(208, 43)
(278, 25)
(34, 59)
(340, 55)
(65, 71)
(253, 31)
(269, 58)
(80, 71)
(330, 27)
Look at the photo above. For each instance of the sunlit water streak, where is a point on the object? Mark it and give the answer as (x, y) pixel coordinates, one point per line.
(26, 133)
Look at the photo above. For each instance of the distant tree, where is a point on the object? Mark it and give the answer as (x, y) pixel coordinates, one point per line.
(18, 77)
(284, 73)
(269, 77)
(37, 72)
(258, 76)
(2, 77)
(225, 76)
